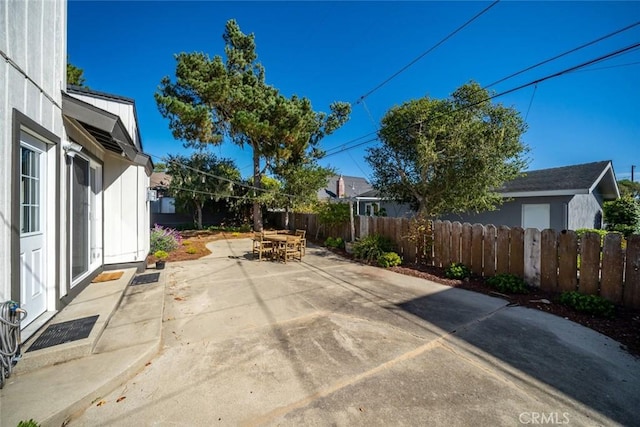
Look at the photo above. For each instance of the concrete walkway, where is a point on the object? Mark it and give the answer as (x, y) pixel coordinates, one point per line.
(330, 342)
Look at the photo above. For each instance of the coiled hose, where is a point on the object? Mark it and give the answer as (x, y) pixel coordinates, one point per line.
(10, 317)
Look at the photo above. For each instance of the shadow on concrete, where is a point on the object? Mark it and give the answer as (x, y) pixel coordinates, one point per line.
(574, 360)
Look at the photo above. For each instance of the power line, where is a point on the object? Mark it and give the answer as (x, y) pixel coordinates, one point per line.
(606, 68)
(506, 92)
(425, 53)
(575, 49)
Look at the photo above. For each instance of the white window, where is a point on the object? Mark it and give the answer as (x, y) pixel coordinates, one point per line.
(536, 216)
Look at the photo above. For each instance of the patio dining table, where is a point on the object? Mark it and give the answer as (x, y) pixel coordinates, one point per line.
(280, 241)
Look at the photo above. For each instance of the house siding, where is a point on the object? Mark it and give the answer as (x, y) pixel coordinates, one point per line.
(585, 212)
(32, 73)
(510, 212)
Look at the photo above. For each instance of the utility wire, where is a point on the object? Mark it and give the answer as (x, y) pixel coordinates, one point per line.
(425, 53)
(610, 66)
(575, 49)
(530, 102)
(497, 95)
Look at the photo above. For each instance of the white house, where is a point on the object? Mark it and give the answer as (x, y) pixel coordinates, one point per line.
(73, 195)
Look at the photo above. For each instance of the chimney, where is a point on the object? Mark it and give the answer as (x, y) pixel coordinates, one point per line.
(340, 187)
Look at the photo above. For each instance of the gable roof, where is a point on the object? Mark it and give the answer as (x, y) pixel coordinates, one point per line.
(353, 186)
(159, 180)
(565, 180)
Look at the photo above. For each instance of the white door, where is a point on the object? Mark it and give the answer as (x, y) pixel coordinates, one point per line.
(33, 295)
(536, 216)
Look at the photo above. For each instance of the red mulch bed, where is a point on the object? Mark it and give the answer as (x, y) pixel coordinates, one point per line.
(624, 327)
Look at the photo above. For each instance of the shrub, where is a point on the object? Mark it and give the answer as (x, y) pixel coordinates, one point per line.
(191, 250)
(164, 239)
(457, 271)
(591, 304)
(622, 215)
(581, 231)
(371, 247)
(30, 423)
(334, 242)
(389, 259)
(508, 283)
(161, 254)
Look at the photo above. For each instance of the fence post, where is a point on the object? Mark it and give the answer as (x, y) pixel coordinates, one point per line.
(437, 243)
(589, 263)
(612, 268)
(516, 260)
(632, 273)
(532, 256)
(489, 266)
(549, 260)
(477, 232)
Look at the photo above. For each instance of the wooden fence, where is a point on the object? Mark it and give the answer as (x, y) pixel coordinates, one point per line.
(554, 261)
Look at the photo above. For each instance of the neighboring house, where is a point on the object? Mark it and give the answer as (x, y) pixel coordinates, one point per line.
(73, 199)
(340, 186)
(163, 204)
(371, 204)
(569, 197)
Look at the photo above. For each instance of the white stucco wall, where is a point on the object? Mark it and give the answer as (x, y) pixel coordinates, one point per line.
(32, 74)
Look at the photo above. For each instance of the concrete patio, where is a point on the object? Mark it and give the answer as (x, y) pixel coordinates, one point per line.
(329, 342)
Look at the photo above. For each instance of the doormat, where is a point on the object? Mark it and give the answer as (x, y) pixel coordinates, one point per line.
(64, 332)
(106, 277)
(144, 279)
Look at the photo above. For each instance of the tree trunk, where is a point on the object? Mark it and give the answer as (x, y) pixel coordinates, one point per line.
(199, 216)
(257, 211)
(286, 217)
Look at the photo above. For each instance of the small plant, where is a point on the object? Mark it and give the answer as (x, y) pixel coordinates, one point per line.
(191, 250)
(389, 259)
(161, 255)
(457, 271)
(164, 239)
(30, 423)
(371, 247)
(235, 234)
(591, 304)
(186, 243)
(508, 283)
(334, 242)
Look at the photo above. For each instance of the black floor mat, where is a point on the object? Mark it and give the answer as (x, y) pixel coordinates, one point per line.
(144, 279)
(60, 333)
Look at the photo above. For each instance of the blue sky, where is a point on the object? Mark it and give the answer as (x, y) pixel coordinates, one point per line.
(338, 51)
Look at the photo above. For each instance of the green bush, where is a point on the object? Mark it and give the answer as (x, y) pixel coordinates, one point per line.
(334, 242)
(591, 304)
(622, 215)
(371, 247)
(457, 271)
(30, 423)
(389, 259)
(191, 250)
(581, 231)
(161, 254)
(164, 239)
(508, 283)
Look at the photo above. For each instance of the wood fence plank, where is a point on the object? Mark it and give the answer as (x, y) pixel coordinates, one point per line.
(489, 246)
(502, 250)
(631, 296)
(567, 261)
(516, 253)
(549, 260)
(612, 268)
(438, 230)
(477, 232)
(446, 243)
(456, 234)
(465, 244)
(589, 263)
(532, 237)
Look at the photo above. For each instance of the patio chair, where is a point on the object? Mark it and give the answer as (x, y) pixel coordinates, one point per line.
(261, 246)
(303, 241)
(291, 249)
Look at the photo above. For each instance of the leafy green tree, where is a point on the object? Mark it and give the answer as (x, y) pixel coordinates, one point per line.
(192, 189)
(629, 188)
(159, 167)
(622, 215)
(448, 155)
(214, 99)
(75, 75)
